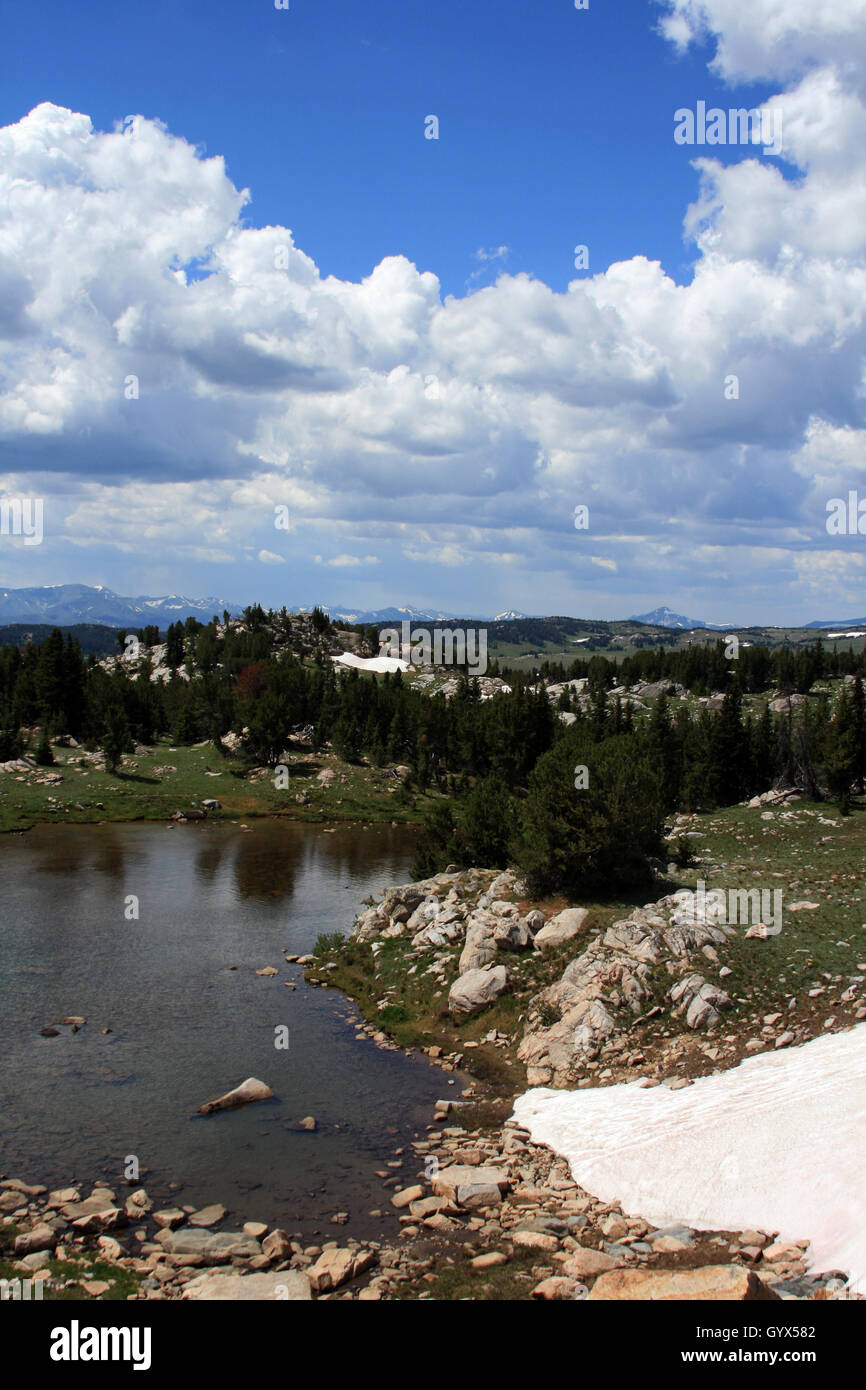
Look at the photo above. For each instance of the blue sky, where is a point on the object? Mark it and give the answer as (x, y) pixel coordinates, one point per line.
(555, 123)
(536, 392)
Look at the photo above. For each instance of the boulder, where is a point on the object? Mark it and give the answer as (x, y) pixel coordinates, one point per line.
(562, 927)
(462, 1180)
(277, 1245)
(510, 934)
(108, 1219)
(584, 1263)
(288, 1284)
(248, 1091)
(42, 1237)
(476, 989)
(480, 947)
(554, 1287)
(535, 1240)
(710, 1283)
(470, 1195)
(407, 1195)
(334, 1268)
(168, 1218)
(210, 1247)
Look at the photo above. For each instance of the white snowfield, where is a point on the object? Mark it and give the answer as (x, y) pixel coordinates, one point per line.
(372, 663)
(777, 1144)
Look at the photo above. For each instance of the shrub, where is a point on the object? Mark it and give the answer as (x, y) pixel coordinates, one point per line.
(327, 943)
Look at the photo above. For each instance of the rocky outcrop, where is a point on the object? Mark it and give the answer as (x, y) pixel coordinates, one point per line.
(614, 980)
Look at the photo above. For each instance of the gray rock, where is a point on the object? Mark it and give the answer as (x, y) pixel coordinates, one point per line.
(475, 989)
(214, 1248)
(563, 927)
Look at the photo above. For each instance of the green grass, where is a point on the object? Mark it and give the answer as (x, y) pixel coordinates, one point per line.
(457, 1279)
(138, 792)
(122, 1281)
(810, 862)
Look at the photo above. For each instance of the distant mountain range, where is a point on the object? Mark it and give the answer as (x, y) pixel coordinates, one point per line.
(413, 615)
(67, 604)
(391, 615)
(665, 617)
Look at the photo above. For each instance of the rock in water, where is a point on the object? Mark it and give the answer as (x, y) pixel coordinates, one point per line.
(245, 1094)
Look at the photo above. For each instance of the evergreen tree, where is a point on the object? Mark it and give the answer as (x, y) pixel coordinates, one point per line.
(116, 740)
(593, 838)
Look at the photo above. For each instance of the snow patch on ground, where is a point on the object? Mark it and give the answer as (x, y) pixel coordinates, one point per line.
(777, 1143)
(372, 663)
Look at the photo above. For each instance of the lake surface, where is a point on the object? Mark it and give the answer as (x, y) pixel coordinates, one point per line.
(186, 1027)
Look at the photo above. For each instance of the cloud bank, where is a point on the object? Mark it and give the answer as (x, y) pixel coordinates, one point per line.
(170, 374)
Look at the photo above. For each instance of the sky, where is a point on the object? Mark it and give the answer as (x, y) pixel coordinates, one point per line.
(293, 306)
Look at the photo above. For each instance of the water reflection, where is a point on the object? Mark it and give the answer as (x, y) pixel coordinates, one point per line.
(186, 1026)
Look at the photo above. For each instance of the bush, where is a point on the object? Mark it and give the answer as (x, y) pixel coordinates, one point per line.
(44, 755)
(393, 1013)
(548, 1014)
(680, 852)
(327, 943)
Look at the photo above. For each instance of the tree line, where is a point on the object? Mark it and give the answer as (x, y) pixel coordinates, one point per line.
(575, 804)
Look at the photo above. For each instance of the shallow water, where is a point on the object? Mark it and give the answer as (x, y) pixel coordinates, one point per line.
(186, 1026)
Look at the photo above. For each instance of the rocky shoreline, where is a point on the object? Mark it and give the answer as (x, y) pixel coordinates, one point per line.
(486, 1207)
(484, 1211)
